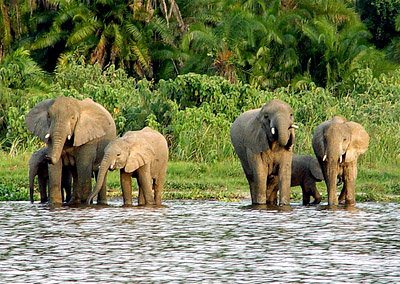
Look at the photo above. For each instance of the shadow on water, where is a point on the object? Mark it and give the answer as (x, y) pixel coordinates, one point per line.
(264, 207)
(199, 241)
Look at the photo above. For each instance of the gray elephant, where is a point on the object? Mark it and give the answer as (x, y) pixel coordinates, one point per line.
(82, 129)
(38, 167)
(140, 154)
(263, 139)
(306, 172)
(337, 144)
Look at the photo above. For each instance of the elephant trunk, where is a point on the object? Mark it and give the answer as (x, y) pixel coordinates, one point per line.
(56, 146)
(283, 130)
(103, 169)
(331, 181)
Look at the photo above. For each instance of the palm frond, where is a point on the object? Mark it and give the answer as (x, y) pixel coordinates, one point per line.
(47, 40)
(82, 32)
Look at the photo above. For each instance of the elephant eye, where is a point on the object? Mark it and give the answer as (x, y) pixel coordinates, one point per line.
(119, 154)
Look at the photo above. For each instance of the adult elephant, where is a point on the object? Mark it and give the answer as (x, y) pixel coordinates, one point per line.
(263, 140)
(338, 143)
(80, 128)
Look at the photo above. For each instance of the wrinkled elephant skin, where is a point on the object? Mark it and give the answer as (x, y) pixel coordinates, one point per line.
(80, 128)
(263, 140)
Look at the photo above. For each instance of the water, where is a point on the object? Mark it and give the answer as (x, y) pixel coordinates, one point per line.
(199, 241)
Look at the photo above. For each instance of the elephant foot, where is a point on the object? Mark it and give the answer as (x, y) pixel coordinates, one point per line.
(342, 202)
(316, 201)
(73, 202)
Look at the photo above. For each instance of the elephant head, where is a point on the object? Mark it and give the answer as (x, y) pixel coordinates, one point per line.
(338, 142)
(67, 121)
(129, 153)
(273, 123)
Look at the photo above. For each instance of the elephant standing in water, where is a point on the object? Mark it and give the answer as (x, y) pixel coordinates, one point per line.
(141, 154)
(263, 139)
(82, 129)
(305, 173)
(38, 166)
(338, 143)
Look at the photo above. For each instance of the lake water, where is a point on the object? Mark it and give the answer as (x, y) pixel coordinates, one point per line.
(199, 241)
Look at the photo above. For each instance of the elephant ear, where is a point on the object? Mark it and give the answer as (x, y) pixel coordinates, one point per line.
(93, 122)
(141, 153)
(315, 169)
(359, 141)
(37, 119)
(255, 136)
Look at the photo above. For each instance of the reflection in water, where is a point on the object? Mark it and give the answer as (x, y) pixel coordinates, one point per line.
(197, 241)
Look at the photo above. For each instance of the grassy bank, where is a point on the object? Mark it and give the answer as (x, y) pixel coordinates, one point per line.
(213, 181)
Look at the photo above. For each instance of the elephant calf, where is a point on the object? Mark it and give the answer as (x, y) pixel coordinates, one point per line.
(337, 144)
(38, 166)
(305, 173)
(141, 154)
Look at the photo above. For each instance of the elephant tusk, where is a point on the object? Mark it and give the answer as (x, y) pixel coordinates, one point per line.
(273, 130)
(294, 126)
(69, 137)
(340, 159)
(47, 135)
(324, 158)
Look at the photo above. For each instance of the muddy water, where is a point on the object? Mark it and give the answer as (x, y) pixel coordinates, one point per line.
(199, 241)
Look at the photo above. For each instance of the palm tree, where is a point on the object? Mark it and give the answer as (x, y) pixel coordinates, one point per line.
(109, 32)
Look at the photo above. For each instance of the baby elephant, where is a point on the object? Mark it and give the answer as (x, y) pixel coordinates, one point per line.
(38, 166)
(305, 173)
(140, 154)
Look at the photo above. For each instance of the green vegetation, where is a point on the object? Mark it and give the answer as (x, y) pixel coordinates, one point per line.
(222, 181)
(188, 68)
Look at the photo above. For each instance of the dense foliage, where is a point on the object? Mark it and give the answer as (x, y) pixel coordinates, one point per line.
(263, 43)
(189, 68)
(195, 111)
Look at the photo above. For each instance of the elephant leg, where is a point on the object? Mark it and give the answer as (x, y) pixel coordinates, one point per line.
(310, 188)
(252, 186)
(126, 185)
(145, 184)
(66, 184)
(342, 196)
(55, 172)
(272, 190)
(141, 200)
(258, 185)
(350, 175)
(285, 173)
(84, 165)
(306, 194)
(43, 182)
(158, 188)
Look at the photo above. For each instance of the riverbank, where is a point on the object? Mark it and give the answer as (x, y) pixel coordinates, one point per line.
(222, 181)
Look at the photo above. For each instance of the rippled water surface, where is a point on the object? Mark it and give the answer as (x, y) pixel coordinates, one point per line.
(199, 241)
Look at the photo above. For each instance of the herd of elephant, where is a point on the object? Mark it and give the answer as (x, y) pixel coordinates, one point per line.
(81, 143)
